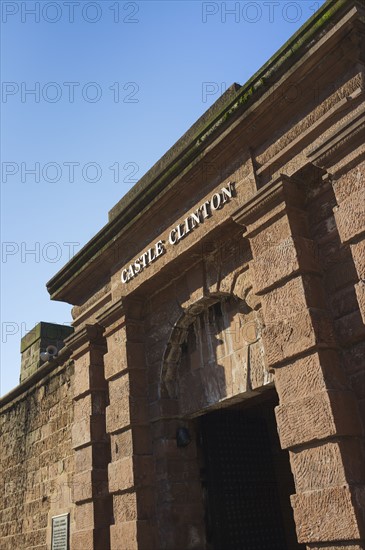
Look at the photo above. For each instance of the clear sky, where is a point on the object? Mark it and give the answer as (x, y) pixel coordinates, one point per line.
(93, 94)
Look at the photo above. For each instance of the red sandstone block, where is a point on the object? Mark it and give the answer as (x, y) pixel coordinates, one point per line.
(132, 535)
(290, 256)
(88, 379)
(130, 384)
(329, 463)
(277, 232)
(119, 389)
(309, 375)
(88, 430)
(328, 515)
(82, 540)
(343, 301)
(83, 459)
(81, 433)
(354, 358)
(120, 415)
(350, 216)
(290, 336)
(130, 472)
(117, 417)
(350, 329)
(121, 445)
(121, 475)
(125, 507)
(292, 298)
(360, 294)
(84, 516)
(89, 485)
(128, 355)
(358, 254)
(133, 441)
(82, 375)
(349, 182)
(82, 408)
(134, 505)
(114, 363)
(321, 415)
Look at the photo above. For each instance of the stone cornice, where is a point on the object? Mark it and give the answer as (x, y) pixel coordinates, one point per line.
(85, 336)
(113, 313)
(331, 149)
(280, 191)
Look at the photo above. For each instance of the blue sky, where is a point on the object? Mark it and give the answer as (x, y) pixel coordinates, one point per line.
(93, 94)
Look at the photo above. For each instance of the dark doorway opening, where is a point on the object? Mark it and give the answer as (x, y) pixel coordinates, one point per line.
(247, 480)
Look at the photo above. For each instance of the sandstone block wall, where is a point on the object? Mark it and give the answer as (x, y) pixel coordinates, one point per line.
(37, 461)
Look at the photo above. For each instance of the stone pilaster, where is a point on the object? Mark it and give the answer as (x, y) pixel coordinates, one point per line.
(342, 155)
(90, 442)
(131, 469)
(317, 417)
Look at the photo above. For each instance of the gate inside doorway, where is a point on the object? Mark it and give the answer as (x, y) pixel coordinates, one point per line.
(247, 481)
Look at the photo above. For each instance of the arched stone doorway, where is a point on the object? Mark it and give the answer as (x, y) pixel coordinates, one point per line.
(238, 480)
(214, 354)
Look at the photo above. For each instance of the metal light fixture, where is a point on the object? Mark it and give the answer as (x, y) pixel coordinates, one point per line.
(183, 437)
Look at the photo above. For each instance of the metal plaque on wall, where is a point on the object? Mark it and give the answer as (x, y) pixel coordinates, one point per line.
(60, 528)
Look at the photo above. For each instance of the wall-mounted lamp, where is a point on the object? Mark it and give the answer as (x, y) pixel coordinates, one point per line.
(50, 353)
(183, 437)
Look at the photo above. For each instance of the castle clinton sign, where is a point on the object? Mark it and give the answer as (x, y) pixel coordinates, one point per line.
(193, 220)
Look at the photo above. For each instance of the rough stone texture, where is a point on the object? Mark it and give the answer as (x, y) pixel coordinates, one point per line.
(350, 216)
(358, 254)
(360, 294)
(283, 260)
(309, 375)
(331, 464)
(327, 515)
(292, 336)
(316, 417)
(217, 355)
(37, 461)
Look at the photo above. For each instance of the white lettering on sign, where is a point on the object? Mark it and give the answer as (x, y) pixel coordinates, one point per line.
(60, 532)
(193, 220)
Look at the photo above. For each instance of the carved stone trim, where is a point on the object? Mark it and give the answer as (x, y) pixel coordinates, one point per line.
(282, 189)
(312, 132)
(87, 335)
(112, 314)
(330, 151)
